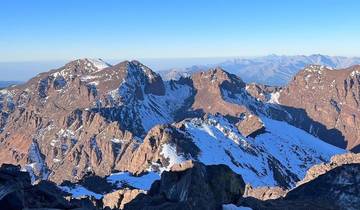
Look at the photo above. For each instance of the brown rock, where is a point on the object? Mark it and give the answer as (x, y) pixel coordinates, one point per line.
(264, 193)
(250, 125)
(330, 98)
(209, 97)
(337, 160)
(119, 198)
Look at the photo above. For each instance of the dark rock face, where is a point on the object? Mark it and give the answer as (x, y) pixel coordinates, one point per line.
(198, 187)
(17, 192)
(337, 189)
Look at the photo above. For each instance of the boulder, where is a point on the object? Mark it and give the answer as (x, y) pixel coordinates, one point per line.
(198, 187)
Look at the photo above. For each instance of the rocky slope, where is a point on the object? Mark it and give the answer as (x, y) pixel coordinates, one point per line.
(82, 117)
(89, 118)
(336, 161)
(336, 189)
(325, 103)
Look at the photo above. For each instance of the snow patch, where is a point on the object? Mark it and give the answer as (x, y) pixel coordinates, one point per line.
(169, 152)
(98, 63)
(79, 191)
(36, 166)
(233, 207)
(117, 141)
(140, 182)
(354, 73)
(274, 98)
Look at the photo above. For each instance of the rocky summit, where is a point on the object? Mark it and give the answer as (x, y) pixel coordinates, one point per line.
(119, 136)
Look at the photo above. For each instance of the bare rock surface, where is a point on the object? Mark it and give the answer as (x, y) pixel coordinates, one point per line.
(337, 160)
(264, 193)
(118, 199)
(199, 187)
(330, 98)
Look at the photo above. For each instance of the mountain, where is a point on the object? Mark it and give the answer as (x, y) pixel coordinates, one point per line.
(5, 84)
(123, 126)
(269, 70)
(328, 98)
(90, 117)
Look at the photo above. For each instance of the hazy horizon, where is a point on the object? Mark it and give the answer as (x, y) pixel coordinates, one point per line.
(24, 70)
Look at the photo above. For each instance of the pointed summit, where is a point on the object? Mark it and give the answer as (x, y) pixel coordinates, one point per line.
(219, 77)
(138, 75)
(87, 65)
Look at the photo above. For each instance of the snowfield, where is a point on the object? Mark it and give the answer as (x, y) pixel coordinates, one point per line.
(292, 150)
(140, 182)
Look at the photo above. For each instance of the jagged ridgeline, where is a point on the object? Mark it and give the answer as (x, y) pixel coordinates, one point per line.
(90, 118)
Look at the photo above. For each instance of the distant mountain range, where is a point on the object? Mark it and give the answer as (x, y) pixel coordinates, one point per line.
(4, 84)
(269, 70)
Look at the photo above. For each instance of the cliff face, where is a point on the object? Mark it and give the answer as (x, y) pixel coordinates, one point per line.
(330, 98)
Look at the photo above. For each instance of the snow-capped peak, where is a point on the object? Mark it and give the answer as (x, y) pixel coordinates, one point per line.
(98, 63)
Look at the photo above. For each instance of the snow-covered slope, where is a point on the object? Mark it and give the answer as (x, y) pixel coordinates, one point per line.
(278, 157)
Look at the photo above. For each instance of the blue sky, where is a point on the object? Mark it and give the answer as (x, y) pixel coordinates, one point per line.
(67, 29)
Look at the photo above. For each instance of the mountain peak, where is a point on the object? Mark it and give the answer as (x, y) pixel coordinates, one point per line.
(98, 63)
(314, 68)
(220, 76)
(82, 66)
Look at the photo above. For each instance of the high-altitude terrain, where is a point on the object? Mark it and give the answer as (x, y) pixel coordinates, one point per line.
(124, 125)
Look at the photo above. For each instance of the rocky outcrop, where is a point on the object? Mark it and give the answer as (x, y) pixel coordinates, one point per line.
(261, 92)
(209, 88)
(250, 125)
(264, 193)
(150, 155)
(337, 160)
(118, 199)
(16, 192)
(198, 187)
(336, 189)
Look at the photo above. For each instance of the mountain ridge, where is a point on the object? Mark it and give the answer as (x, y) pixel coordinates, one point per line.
(269, 70)
(84, 119)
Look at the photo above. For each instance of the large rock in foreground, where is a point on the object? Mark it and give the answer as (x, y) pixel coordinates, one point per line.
(195, 187)
(16, 193)
(339, 188)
